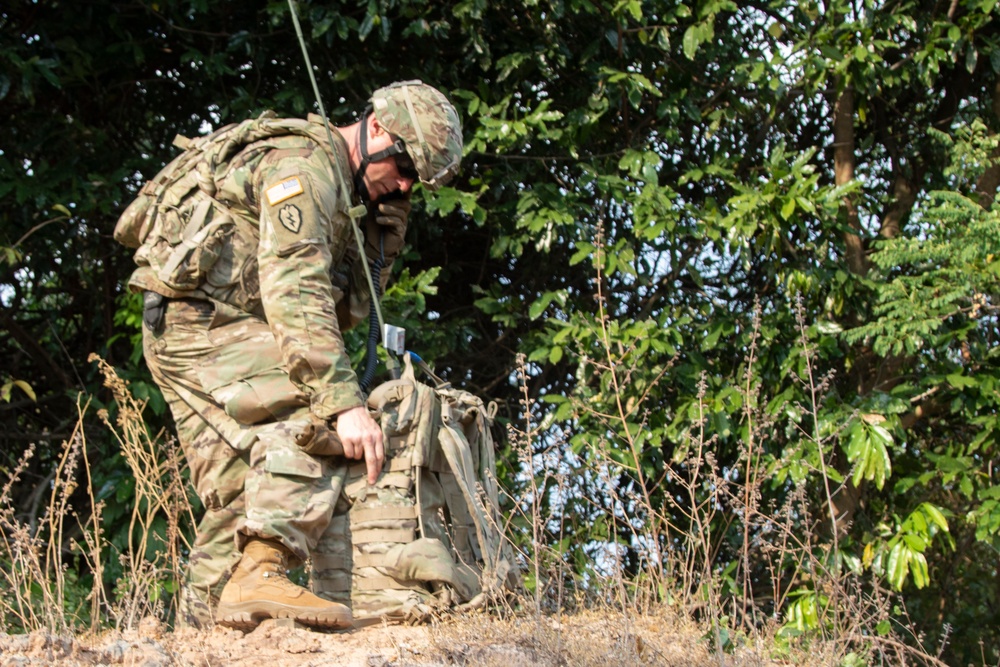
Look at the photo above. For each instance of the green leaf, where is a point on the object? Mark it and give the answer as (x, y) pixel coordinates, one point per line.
(971, 58)
(828, 327)
(712, 339)
(690, 42)
(935, 515)
(541, 303)
(555, 355)
(584, 250)
(959, 381)
(918, 568)
(366, 26)
(831, 53)
(899, 565)
(538, 307)
(915, 542)
(788, 208)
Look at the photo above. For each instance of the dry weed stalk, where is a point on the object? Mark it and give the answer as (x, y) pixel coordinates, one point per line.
(648, 534)
(543, 479)
(850, 607)
(627, 509)
(32, 553)
(160, 492)
(33, 567)
(611, 367)
(21, 562)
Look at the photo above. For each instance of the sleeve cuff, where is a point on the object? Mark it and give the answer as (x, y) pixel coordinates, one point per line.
(335, 399)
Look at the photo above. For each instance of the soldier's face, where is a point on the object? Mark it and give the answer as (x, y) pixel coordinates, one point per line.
(383, 178)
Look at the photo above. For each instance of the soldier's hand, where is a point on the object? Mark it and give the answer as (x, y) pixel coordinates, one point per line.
(386, 230)
(362, 438)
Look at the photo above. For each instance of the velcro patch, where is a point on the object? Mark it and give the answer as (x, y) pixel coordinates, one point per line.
(284, 190)
(291, 218)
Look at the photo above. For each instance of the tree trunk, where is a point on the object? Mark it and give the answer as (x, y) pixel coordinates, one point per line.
(843, 171)
(904, 196)
(847, 497)
(986, 186)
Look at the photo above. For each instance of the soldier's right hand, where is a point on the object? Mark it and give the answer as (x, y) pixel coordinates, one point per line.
(362, 438)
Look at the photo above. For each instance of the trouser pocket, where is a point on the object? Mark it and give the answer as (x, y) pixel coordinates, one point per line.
(245, 373)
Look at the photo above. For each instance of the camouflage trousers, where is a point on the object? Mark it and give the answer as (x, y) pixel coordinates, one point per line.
(247, 433)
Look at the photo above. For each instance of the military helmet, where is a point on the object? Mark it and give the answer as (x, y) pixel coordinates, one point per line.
(427, 123)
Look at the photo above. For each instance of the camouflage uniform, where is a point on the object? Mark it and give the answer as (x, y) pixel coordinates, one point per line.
(249, 353)
(254, 366)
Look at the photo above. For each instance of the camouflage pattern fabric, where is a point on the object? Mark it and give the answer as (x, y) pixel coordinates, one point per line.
(278, 244)
(249, 235)
(218, 369)
(427, 122)
(331, 562)
(254, 366)
(212, 558)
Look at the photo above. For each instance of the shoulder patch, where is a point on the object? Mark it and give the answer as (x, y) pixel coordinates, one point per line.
(291, 218)
(286, 189)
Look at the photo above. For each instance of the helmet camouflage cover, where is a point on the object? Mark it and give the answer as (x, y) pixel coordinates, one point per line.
(427, 122)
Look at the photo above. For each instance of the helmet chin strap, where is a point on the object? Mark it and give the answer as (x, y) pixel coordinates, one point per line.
(396, 148)
(359, 175)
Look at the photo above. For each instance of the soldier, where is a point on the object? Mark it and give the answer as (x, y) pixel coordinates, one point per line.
(248, 281)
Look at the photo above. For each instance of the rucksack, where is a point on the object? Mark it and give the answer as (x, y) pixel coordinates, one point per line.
(177, 222)
(427, 537)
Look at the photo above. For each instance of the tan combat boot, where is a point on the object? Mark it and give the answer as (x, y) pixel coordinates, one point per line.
(260, 589)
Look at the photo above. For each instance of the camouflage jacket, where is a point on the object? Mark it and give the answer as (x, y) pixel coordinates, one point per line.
(281, 247)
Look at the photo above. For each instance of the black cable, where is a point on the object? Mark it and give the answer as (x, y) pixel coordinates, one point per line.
(374, 335)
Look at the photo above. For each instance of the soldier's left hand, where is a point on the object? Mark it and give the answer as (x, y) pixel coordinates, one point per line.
(386, 233)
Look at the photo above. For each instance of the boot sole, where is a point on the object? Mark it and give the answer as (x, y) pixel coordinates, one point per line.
(247, 616)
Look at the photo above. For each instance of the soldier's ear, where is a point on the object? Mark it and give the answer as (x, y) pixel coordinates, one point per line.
(377, 128)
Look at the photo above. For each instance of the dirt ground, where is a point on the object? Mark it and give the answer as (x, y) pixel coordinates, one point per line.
(588, 638)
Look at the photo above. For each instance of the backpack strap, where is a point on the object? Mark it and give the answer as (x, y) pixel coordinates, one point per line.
(194, 234)
(458, 454)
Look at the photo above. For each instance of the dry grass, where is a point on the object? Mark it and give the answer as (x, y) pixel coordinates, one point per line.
(35, 552)
(153, 557)
(817, 611)
(35, 573)
(681, 610)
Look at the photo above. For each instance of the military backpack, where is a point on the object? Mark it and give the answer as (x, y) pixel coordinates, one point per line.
(179, 221)
(427, 537)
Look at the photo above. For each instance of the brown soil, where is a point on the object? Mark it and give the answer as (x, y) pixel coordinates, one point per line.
(588, 638)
